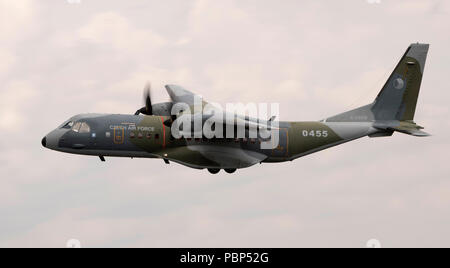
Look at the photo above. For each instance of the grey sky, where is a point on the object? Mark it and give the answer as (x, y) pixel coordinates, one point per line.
(315, 58)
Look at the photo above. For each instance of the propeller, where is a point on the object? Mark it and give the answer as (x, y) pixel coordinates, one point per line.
(147, 109)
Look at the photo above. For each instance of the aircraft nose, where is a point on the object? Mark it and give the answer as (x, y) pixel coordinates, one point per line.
(52, 139)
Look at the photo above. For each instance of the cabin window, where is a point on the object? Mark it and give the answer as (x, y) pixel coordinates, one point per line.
(156, 136)
(140, 135)
(149, 136)
(132, 135)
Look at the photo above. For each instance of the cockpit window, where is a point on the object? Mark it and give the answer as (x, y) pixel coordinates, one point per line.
(68, 125)
(85, 128)
(81, 127)
(76, 126)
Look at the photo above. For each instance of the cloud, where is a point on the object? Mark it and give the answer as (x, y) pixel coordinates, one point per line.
(7, 61)
(315, 59)
(14, 17)
(15, 99)
(111, 29)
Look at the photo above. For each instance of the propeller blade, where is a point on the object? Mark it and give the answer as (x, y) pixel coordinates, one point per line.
(148, 101)
(147, 109)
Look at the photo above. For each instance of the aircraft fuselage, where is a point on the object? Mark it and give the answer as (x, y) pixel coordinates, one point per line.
(148, 137)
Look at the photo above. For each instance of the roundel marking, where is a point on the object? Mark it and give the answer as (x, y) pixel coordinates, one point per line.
(398, 83)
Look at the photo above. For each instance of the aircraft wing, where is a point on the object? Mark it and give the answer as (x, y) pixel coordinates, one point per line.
(180, 95)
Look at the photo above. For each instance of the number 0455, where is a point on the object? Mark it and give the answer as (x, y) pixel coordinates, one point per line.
(315, 133)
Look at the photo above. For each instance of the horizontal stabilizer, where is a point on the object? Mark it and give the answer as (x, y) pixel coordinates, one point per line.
(413, 132)
(406, 127)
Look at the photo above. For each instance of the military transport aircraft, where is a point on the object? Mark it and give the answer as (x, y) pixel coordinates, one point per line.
(149, 132)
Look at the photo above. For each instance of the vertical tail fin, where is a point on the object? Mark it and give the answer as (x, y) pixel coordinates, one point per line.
(398, 98)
